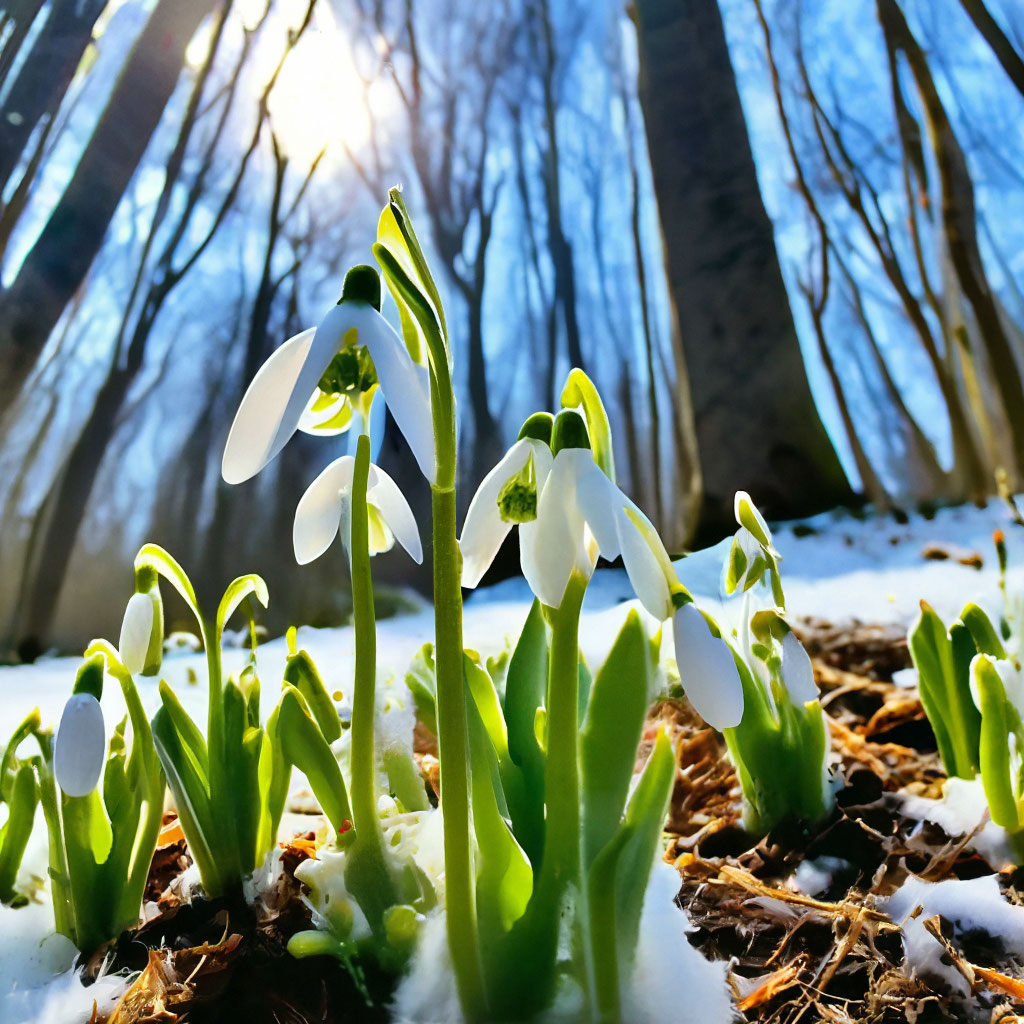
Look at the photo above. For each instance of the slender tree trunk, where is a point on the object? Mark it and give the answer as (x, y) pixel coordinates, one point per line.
(61, 256)
(873, 489)
(227, 500)
(921, 451)
(966, 455)
(756, 423)
(58, 523)
(486, 440)
(645, 319)
(1011, 60)
(959, 223)
(44, 76)
(559, 246)
(21, 13)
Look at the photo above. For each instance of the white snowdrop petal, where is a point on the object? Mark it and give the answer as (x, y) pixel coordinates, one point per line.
(707, 670)
(136, 630)
(484, 529)
(644, 566)
(79, 747)
(383, 493)
(318, 514)
(255, 427)
(553, 545)
(406, 386)
(797, 671)
(600, 502)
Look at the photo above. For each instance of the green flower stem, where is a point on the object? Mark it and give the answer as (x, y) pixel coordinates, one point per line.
(562, 846)
(453, 742)
(224, 845)
(452, 727)
(562, 865)
(368, 864)
(227, 853)
(364, 796)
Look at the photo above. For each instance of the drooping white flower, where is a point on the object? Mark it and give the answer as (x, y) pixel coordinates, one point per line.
(515, 483)
(797, 671)
(568, 512)
(325, 509)
(707, 669)
(79, 747)
(284, 395)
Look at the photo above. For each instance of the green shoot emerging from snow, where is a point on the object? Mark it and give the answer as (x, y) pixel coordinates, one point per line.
(780, 744)
(972, 690)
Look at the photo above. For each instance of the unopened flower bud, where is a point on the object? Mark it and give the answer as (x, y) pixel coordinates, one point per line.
(142, 633)
(79, 746)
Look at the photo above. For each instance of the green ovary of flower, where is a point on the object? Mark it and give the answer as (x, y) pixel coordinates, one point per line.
(517, 500)
(350, 371)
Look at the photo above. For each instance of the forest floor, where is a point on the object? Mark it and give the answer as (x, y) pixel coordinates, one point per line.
(811, 921)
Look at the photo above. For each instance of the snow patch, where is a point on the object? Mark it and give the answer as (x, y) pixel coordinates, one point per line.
(667, 965)
(973, 905)
(815, 876)
(427, 992)
(38, 984)
(962, 809)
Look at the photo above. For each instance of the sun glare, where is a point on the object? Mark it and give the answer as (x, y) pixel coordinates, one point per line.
(319, 101)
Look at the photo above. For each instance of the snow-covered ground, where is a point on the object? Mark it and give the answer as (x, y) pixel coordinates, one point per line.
(872, 569)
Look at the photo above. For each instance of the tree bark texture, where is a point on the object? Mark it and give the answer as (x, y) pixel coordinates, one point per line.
(756, 423)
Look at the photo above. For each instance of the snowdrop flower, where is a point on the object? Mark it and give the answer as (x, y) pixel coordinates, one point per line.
(707, 669)
(135, 630)
(318, 379)
(797, 671)
(752, 553)
(80, 745)
(568, 511)
(324, 510)
(506, 497)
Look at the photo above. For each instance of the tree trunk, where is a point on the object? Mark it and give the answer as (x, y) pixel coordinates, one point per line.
(44, 76)
(559, 246)
(1011, 60)
(61, 256)
(58, 521)
(959, 223)
(756, 423)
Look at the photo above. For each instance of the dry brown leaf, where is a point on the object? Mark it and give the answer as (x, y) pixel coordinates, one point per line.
(150, 997)
(776, 982)
(1001, 982)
